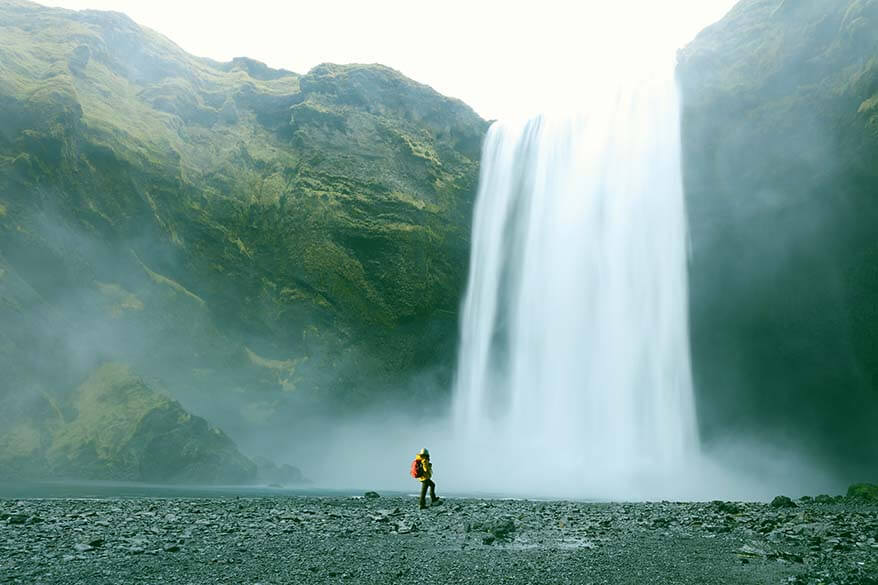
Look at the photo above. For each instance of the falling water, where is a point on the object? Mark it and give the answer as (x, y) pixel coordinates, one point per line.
(574, 355)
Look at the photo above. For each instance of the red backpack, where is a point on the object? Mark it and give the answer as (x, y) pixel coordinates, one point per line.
(417, 468)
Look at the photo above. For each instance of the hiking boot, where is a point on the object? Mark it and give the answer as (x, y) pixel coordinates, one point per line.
(437, 502)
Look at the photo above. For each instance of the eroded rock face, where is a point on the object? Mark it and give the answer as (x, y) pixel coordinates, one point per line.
(122, 429)
(259, 241)
(780, 134)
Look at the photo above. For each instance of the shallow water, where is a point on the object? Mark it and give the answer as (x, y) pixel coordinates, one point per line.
(112, 489)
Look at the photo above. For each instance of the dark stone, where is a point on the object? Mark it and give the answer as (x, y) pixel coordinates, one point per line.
(502, 528)
(79, 59)
(863, 492)
(780, 176)
(17, 519)
(725, 507)
(280, 475)
(782, 502)
(823, 499)
(171, 548)
(371, 495)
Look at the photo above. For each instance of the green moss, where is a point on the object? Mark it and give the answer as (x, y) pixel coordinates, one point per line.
(863, 492)
(320, 220)
(174, 286)
(120, 299)
(110, 405)
(22, 440)
(868, 106)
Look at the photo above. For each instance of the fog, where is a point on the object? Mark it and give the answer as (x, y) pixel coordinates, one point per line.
(559, 389)
(368, 448)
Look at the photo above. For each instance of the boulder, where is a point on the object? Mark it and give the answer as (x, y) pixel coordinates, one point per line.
(863, 492)
(782, 502)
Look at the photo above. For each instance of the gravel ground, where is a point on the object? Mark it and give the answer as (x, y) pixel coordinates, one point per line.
(313, 540)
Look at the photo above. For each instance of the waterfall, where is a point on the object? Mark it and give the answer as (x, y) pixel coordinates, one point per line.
(574, 354)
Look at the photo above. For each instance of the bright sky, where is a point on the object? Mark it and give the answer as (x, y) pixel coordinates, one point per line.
(504, 58)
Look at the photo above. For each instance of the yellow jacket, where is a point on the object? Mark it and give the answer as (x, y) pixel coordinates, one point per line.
(426, 466)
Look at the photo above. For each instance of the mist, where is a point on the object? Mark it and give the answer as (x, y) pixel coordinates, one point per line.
(218, 280)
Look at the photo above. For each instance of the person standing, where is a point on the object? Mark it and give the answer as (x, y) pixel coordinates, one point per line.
(422, 470)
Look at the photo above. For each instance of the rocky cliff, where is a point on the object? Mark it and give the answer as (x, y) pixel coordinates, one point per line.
(259, 241)
(780, 133)
(114, 426)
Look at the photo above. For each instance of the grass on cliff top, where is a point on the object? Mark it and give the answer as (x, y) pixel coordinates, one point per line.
(767, 43)
(126, 111)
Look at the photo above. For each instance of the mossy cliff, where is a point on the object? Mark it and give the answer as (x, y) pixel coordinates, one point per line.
(116, 427)
(258, 240)
(780, 134)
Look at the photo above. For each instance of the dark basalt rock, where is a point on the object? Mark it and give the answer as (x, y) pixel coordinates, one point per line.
(863, 492)
(780, 139)
(320, 540)
(782, 502)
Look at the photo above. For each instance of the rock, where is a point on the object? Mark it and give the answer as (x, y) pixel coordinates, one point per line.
(355, 269)
(488, 539)
(502, 528)
(725, 507)
(82, 547)
(171, 548)
(721, 72)
(786, 556)
(782, 502)
(17, 519)
(863, 492)
(277, 475)
(96, 542)
(148, 436)
(748, 550)
(371, 495)
(823, 499)
(79, 59)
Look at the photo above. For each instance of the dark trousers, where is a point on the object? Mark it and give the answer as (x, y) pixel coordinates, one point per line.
(428, 483)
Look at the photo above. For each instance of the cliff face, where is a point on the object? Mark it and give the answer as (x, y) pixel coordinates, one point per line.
(780, 133)
(116, 427)
(258, 240)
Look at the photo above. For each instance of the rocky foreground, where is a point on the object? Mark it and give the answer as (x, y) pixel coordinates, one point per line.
(388, 540)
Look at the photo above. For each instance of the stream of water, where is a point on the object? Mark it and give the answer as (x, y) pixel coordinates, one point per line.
(574, 352)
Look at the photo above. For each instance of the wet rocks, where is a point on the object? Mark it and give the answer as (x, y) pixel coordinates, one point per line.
(782, 502)
(502, 528)
(863, 492)
(17, 519)
(371, 495)
(725, 507)
(281, 539)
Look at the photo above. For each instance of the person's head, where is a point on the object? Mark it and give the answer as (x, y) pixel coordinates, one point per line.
(424, 453)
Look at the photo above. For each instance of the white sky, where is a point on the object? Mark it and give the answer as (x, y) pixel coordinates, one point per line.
(502, 58)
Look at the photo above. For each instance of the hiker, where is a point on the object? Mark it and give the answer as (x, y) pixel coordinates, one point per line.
(422, 470)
